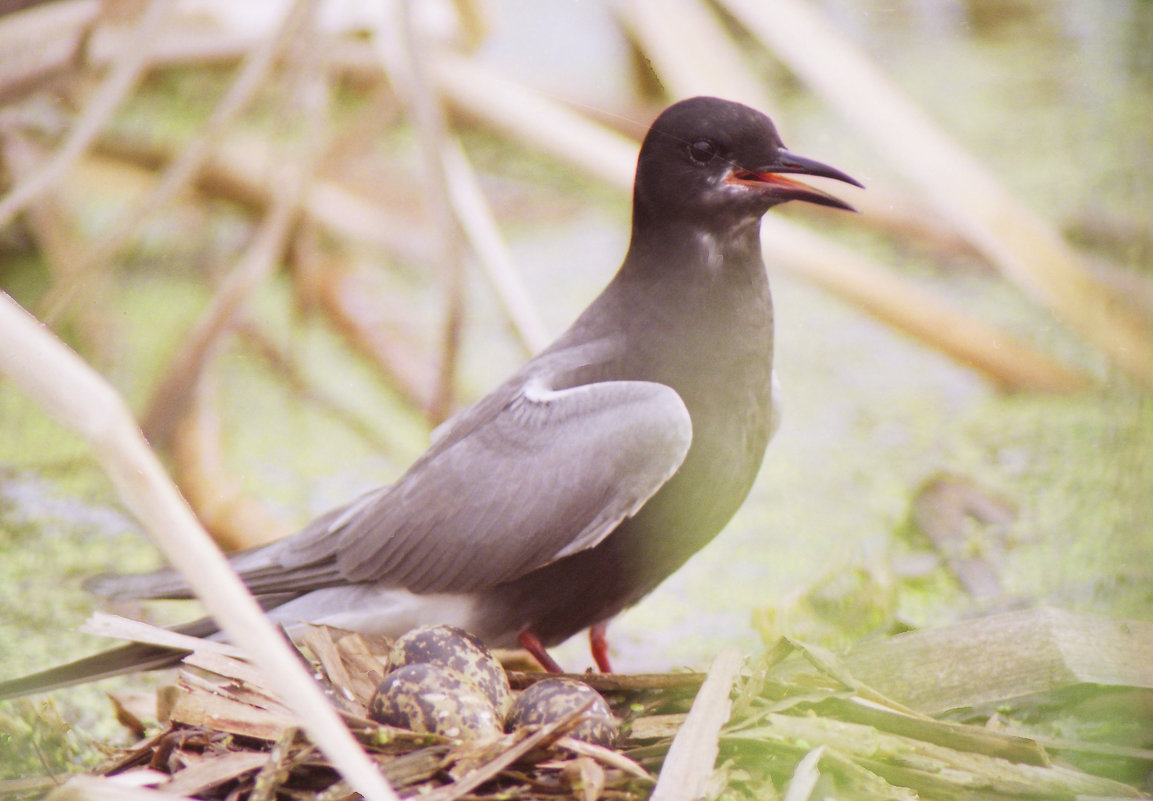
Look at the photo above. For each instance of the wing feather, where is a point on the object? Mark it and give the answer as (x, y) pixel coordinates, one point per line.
(529, 475)
(552, 473)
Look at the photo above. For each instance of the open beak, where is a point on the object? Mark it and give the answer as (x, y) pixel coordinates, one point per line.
(771, 178)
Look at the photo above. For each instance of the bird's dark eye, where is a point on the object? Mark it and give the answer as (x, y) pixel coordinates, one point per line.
(702, 151)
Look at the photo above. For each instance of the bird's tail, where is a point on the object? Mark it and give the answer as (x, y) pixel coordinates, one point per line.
(113, 662)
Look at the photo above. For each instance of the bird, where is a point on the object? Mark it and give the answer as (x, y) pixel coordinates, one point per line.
(580, 483)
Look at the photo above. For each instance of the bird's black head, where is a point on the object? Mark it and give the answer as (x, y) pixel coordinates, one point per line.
(716, 164)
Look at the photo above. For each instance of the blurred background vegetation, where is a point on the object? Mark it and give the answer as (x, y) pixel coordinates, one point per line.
(297, 235)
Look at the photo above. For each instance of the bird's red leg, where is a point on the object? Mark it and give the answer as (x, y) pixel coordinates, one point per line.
(531, 643)
(599, 645)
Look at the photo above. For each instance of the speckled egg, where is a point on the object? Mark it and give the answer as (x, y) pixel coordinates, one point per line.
(434, 699)
(455, 648)
(552, 699)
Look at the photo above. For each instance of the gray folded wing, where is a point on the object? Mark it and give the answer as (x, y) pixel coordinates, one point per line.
(550, 474)
(520, 482)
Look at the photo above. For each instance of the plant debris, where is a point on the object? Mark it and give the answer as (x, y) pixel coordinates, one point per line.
(799, 726)
(225, 734)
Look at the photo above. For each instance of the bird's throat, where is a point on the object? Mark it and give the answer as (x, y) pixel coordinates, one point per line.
(698, 252)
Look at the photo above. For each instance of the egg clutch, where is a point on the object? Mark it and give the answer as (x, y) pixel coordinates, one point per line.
(443, 680)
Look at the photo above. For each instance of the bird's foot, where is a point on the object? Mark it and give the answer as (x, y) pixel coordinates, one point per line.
(599, 645)
(531, 643)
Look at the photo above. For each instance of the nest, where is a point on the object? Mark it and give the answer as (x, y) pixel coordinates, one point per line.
(226, 735)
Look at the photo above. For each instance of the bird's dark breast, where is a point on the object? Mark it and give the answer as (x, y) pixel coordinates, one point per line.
(722, 370)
